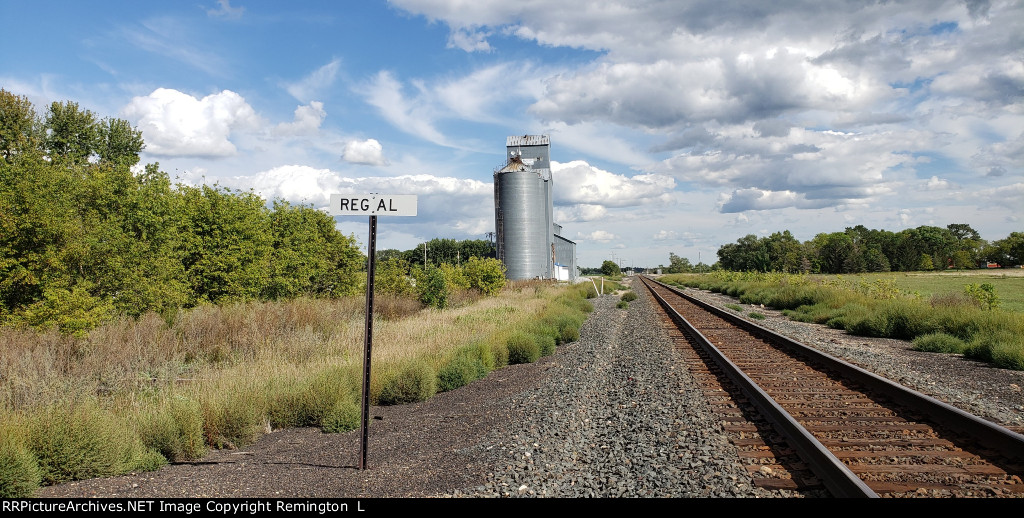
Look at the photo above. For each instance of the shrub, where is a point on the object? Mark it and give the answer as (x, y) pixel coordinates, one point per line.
(984, 294)
(546, 343)
(175, 429)
(567, 322)
(233, 417)
(462, 370)
(755, 316)
(1009, 353)
(80, 443)
(415, 381)
(486, 275)
(939, 343)
(305, 402)
(499, 355)
(434, 289)
(1001, 347)
(734, 307)
(962, 321)
(343, 417)
(849, 317)
(522, 348)
(20, 475)
(455, 277)
(483, 352)
(896, 319)
(629, 296)
(622, 304)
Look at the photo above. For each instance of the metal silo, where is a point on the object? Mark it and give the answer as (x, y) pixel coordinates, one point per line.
(522, 216)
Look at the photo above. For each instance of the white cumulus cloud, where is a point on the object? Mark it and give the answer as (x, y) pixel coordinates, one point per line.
(307, 120)
(367, 151)
(601, 236)
(580, 182)
(174, 123)
(580, 212)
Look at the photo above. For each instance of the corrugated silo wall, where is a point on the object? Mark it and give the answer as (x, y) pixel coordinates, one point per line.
(525, 229)
(550, 223)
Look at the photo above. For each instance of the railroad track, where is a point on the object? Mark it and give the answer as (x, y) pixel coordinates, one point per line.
(805, 420)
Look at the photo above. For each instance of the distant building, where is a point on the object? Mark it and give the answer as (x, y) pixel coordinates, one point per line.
(529, 242)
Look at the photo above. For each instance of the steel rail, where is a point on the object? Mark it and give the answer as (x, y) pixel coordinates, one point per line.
(838, 478)
(993, 436)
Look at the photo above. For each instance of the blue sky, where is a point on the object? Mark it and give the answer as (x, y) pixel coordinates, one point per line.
(675, 126)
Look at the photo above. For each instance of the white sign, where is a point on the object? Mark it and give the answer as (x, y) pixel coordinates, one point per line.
(373, 204)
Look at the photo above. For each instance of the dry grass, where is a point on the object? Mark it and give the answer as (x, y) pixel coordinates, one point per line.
(234, 372)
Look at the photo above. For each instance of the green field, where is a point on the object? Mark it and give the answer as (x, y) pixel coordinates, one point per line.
(1009, 283)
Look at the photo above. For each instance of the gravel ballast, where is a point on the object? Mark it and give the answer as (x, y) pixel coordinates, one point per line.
(614, 414)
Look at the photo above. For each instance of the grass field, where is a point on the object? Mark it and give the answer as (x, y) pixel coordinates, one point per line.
(1009, 283)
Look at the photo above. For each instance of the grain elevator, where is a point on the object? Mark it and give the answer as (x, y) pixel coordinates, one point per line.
(529, 242)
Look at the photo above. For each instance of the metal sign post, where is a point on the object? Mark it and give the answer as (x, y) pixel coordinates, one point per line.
(372, 205)
(371, 252)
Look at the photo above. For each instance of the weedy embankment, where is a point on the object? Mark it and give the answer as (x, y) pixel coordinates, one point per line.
(136, 394)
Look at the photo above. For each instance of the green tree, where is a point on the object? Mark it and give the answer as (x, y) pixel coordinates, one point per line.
(833, 251)
(939, 243)
(310, 257)
(19, 128)
(392, 276)
(678, 264)
(963, 260)
(228, 244)
(433, 289)
(475, 248)
(609, 268)
(925, 263)
(748, 253)
(784, 252)
(118, 142)
(71, 134)
(875, 260)
(485, 274)
(1008, 251)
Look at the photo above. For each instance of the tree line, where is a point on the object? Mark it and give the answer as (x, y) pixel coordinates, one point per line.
(859, 249)
(84, 239)
(441, 251)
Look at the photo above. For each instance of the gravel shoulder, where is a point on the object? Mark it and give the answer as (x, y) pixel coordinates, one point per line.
(612, 415)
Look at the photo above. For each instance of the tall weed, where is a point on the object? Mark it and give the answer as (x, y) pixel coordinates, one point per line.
(414, 381)
(522, 348)
(20, 474)
(81, 442)
(174, 428)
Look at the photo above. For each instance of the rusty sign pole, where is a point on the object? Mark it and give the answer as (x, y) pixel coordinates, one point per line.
(368, 341)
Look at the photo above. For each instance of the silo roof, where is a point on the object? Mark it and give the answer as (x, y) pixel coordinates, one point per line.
(515, 165)
(528, 140)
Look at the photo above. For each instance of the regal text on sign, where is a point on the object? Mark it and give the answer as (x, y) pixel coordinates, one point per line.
(373, 205)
